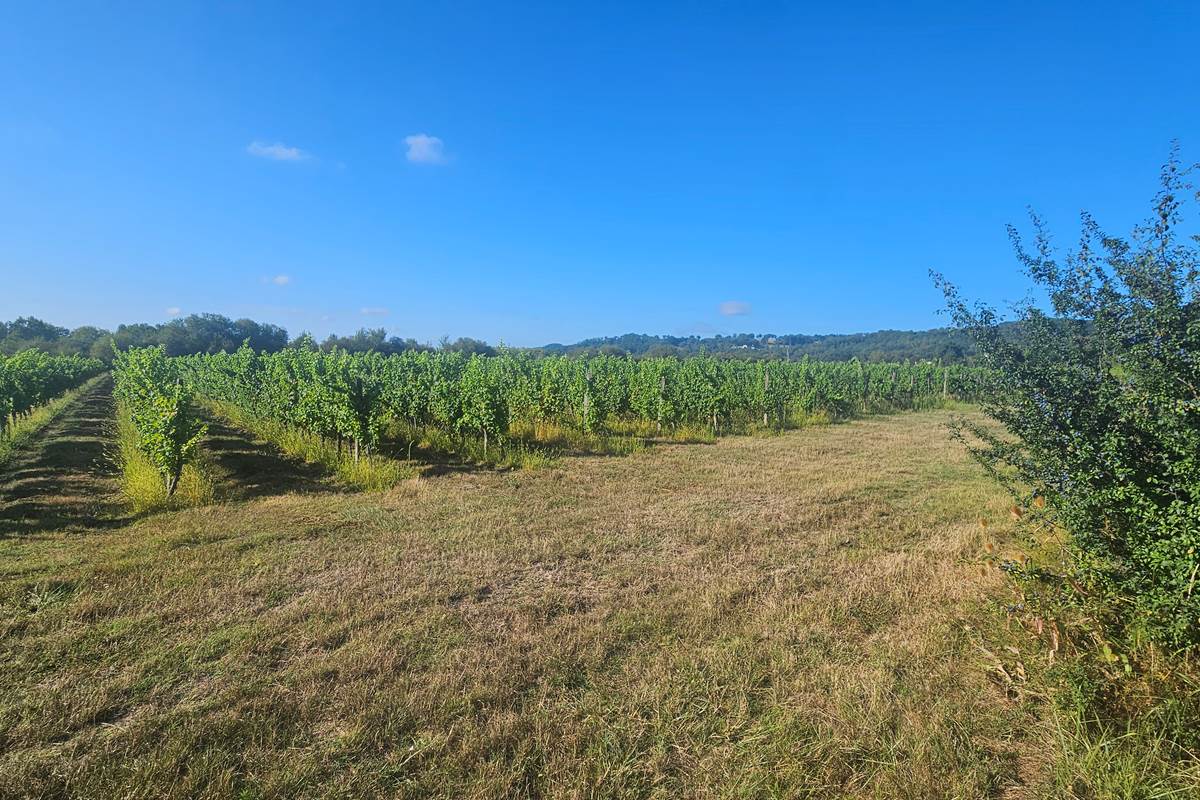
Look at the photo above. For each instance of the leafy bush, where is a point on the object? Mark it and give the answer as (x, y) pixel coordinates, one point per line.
(152, 392)
(1100, 403)
(142, 485)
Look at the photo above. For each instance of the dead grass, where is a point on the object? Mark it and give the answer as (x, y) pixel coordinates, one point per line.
(782, 616)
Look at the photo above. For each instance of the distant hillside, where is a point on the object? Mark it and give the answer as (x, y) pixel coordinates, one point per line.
(945, 344)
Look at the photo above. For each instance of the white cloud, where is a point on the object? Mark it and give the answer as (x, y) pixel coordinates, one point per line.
(174, 311)
(375, 312)
(281, 280)
(734, 308)
(425, 149)
(276, 152)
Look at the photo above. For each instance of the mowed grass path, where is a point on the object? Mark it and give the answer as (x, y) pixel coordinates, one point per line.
(790, 616)
(68, 479)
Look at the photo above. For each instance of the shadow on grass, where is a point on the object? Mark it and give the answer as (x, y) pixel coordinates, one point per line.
(249, 468)
(66, 480)
(437, 455)
(433, 462)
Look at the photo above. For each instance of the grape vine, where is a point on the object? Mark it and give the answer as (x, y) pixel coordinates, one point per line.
(352, 397)
(151, 389)
(32, 378)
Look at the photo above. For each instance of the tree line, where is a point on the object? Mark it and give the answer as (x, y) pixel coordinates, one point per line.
(197, 333)
(213, 333)
(945, 345)
(204, 333)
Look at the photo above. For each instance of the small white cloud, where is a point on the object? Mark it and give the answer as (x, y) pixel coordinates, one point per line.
(276, 152)
(374, 312)
(425, 149)
(174, 311)
(734, 308)
(281, 280)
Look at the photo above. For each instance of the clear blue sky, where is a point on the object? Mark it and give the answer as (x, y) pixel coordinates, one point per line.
(576, 169)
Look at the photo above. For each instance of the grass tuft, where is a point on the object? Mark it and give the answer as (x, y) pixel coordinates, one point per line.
(372, 473)
(1139, 759)
(142, 486)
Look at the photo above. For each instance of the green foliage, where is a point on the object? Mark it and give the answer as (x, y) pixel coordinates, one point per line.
(196, 333)
(342, 396)
(32, 378)
(142, 485)
(151, 390)
(336, 395)
(201, 333)
(1104, 416)
(945, 345)
(354, 390)
(484, 406)
(367, 340)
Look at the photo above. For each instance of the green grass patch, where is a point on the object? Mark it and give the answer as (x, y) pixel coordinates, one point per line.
(521, 449)
(1144, 758)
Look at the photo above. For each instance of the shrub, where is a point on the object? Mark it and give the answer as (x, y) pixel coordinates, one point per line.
(159, 404)
(1100, 401)
(142, 485)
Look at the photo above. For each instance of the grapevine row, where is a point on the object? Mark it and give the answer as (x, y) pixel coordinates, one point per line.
(353, 396)
(32, 378)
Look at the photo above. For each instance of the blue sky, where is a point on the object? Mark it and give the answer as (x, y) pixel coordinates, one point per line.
(548, 172)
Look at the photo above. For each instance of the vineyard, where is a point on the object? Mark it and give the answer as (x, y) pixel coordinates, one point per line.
(715, 588)
(362, 400)
(31, 378)
(488, 620)
(353, 397)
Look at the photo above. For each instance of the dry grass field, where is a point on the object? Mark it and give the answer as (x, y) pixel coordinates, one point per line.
(803, 615)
